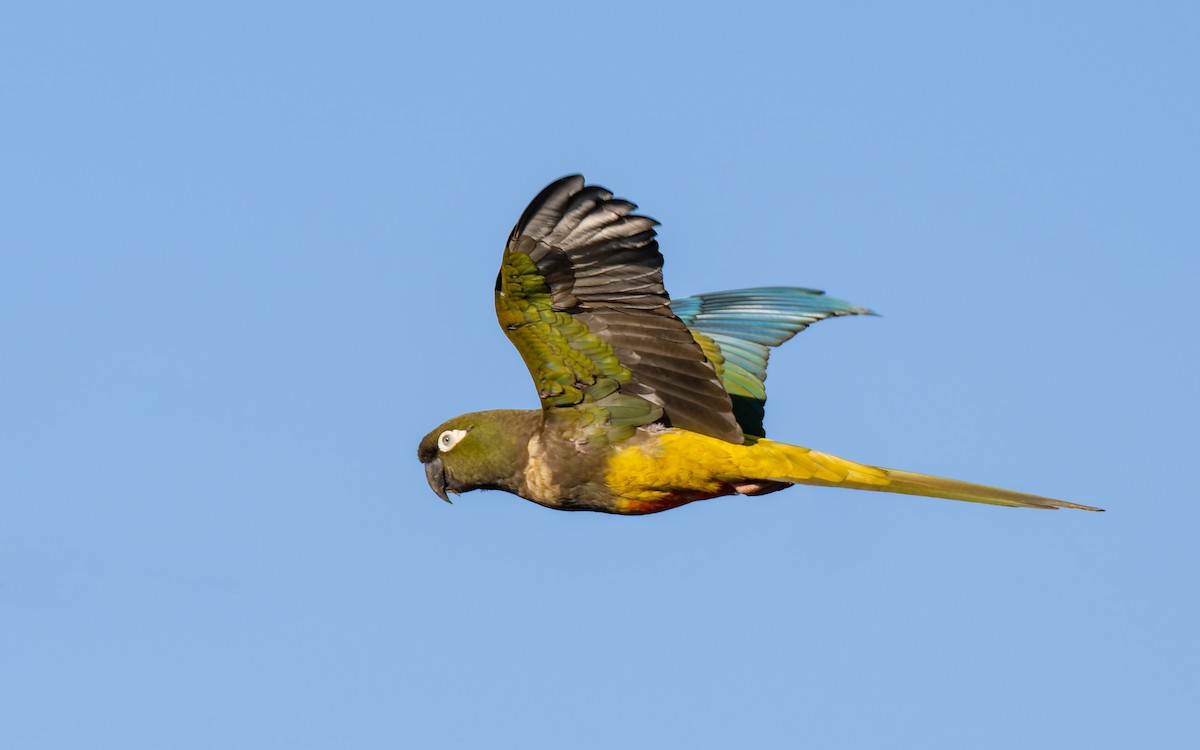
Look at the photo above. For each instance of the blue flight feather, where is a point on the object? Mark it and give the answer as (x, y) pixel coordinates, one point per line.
(744, 324)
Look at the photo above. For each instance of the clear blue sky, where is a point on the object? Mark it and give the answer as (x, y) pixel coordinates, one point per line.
(247, 261)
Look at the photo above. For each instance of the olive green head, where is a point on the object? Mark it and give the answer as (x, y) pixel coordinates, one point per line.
(482, 450)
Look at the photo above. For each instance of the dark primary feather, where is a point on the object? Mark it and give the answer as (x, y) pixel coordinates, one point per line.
(603, 268)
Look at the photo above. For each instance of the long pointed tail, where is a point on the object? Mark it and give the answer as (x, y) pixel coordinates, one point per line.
(805, 466)
(909, 483)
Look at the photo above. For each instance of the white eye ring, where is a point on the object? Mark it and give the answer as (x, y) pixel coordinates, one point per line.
(449, 439)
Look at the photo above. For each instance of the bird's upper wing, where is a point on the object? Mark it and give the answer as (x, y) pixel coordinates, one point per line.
(743, 325)
(580, 295)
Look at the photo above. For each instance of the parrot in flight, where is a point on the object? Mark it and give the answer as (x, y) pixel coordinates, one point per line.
(647, 403)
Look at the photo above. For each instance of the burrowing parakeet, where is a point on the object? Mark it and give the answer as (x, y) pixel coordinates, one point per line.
(647, 403)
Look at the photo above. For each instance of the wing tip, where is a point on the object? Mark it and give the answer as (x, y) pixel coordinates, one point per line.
(553, 197)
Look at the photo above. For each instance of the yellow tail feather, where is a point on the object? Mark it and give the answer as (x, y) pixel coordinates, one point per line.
(839, 472)
(909, 483)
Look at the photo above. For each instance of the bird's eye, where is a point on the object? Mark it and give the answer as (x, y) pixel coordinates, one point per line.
(449, 439)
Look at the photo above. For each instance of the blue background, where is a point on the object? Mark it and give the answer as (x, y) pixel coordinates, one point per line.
(247, 261)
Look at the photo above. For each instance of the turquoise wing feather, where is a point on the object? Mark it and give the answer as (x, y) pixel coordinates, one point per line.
(745, 324)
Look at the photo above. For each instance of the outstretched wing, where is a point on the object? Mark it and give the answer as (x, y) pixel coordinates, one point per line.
(743, 325)
(580, 295)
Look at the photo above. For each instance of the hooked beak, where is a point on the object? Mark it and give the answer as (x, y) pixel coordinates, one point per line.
(435, 474)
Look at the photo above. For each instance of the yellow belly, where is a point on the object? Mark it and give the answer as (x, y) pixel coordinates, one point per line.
(671, 467)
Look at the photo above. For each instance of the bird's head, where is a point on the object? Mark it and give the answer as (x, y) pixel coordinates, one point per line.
(483, 450)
